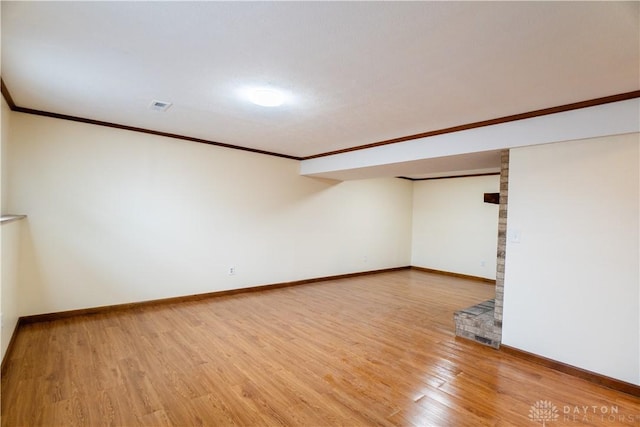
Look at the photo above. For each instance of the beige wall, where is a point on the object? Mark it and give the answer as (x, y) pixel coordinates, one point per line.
(4, 128)
(10, 243)
(117, 216)
(572, 280)
(453, 229)
(9, 248)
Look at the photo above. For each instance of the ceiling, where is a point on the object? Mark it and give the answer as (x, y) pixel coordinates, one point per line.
(355, 72)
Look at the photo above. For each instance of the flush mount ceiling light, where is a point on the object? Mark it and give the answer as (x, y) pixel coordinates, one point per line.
(266, 97)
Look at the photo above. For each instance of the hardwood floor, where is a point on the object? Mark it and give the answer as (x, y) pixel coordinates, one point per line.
(365, 351)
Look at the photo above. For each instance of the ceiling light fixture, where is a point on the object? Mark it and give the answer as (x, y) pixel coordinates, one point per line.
(266, 97)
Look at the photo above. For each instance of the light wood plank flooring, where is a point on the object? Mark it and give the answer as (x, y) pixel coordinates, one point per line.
(365, 351)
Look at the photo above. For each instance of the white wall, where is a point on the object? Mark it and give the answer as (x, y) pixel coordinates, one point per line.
(5, 114)
(117, 216)
(9, 247)
(572, 283)
(10, 243)
(453, 229)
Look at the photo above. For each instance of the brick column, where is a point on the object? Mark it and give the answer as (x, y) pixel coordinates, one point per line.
(502, 238)
(483, 322)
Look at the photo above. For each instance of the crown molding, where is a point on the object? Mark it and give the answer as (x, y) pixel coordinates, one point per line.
(490, 122)
(536, 113)
(16, 108)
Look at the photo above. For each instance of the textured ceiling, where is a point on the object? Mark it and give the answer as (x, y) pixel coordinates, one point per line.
(356, 72)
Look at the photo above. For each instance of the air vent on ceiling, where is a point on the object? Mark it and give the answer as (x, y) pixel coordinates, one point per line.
(159, 105)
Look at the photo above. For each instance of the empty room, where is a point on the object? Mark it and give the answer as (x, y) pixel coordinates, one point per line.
(320, 213)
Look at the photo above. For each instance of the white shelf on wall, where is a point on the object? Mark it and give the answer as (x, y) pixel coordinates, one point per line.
(4, 219)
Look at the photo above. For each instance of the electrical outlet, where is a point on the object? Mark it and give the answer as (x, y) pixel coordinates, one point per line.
(232, 271)
(483, 263)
